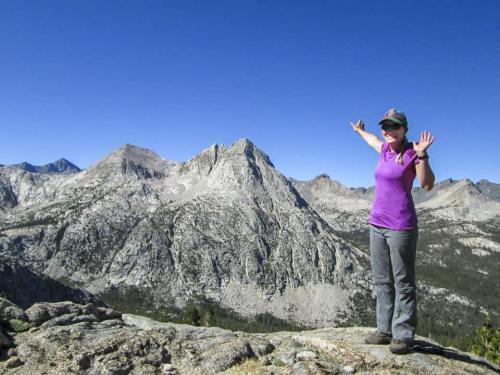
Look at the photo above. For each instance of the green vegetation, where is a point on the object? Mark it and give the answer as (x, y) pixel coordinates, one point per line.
(19, 325)
(444, 261)
(208, 314)
(191, 315)
(199, 312)
(451, 324)
(362, 312)
(278, 362)
(250, 366)
(487, 342)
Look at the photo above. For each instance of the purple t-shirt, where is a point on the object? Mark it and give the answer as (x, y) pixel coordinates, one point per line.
(393, 205)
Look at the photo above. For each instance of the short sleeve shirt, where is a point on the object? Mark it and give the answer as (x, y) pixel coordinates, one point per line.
(393, 205)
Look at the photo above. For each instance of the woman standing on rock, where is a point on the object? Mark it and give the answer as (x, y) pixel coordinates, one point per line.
(393, 227)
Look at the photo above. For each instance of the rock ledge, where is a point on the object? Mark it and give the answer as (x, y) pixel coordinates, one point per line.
(70, 338)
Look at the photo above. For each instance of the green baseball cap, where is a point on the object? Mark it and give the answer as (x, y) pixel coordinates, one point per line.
(396, 116)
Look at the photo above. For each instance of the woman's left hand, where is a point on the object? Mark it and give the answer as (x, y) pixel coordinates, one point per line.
(426, 140)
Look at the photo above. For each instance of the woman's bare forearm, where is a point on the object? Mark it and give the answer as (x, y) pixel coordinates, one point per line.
(425, 174)
(371, 139)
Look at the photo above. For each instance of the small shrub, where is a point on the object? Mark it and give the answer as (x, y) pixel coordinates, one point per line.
(191, 316)
(19, 325)
(278, 362)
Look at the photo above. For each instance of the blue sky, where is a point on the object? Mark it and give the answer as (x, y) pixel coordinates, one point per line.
(80, 78)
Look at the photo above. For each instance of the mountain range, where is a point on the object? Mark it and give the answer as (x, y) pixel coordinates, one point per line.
(224, 227)
(227, 229)
(59, 166)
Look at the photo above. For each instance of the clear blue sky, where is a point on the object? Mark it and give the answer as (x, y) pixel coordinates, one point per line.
(80, 78)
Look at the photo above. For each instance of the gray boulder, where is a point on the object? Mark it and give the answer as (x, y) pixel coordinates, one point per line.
(68, 312)
(9, 311)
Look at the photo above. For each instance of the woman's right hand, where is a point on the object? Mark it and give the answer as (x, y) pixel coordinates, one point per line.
(359, 125)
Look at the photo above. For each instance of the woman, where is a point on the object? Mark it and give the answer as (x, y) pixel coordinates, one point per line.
(393, 228)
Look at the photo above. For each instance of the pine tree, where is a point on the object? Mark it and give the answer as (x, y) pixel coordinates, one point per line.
(487, 342)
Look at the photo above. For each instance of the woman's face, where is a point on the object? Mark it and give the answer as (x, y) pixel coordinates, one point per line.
(393, 133)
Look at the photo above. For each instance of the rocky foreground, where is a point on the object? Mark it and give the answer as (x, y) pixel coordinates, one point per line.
(68, 338)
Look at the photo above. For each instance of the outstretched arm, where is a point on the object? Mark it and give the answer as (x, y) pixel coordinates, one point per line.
(371, 139)
(424, 171)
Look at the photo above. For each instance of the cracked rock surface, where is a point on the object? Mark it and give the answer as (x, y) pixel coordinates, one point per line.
(68, 338)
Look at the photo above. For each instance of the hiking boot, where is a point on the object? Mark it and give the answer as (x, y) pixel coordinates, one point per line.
(378, 338)
(399, 347)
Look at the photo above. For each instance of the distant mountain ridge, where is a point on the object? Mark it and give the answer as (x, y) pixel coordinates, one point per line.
(59, 166)
(481, 199)
(489, 189)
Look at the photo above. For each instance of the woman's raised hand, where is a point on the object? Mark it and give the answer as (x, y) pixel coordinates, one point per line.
(426, 140)
(359, 125)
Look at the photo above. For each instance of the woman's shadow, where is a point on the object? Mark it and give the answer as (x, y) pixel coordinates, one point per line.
(430, 348)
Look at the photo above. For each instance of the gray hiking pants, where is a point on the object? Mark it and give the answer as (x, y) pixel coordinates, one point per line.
(393, 267)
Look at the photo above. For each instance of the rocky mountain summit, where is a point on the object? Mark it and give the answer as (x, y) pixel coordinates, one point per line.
(224, 227)
(68, 338)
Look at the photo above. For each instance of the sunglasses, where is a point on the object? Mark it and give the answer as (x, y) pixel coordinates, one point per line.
(390, 127)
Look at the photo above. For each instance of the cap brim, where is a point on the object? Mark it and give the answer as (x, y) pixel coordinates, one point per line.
(393, 119)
